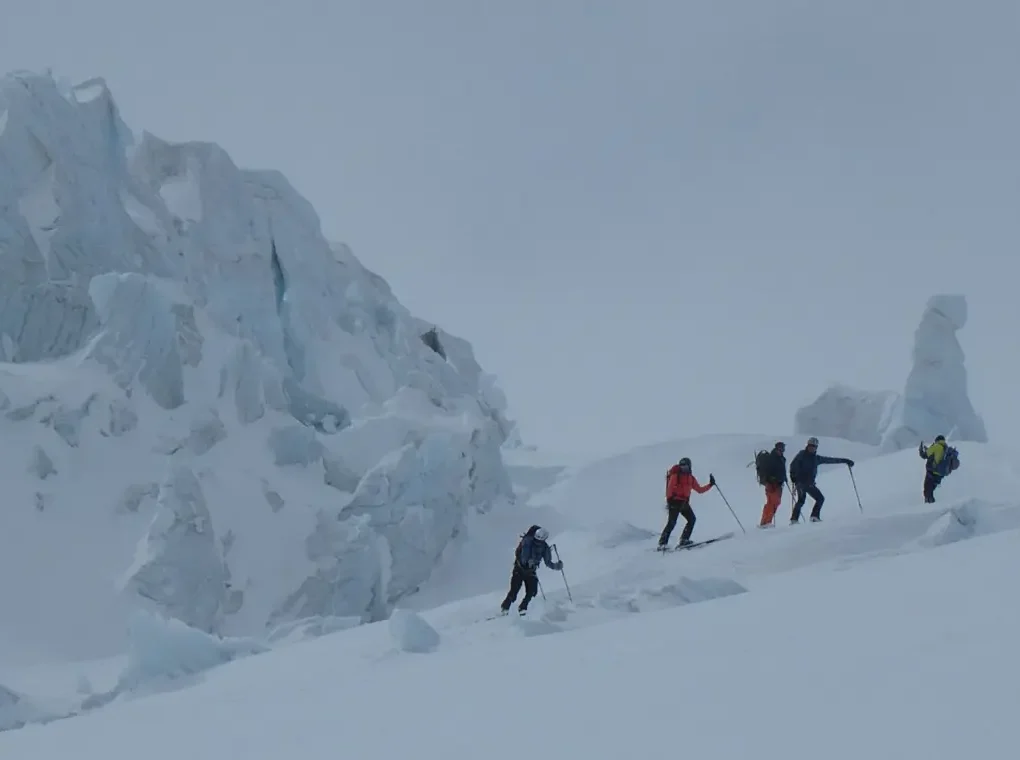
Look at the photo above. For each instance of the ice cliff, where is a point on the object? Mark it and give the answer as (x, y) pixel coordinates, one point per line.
(934, 401)
(203, 397)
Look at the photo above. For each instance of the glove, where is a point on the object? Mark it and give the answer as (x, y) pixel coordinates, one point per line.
(711, 479)
(558, 565)
(849, 462)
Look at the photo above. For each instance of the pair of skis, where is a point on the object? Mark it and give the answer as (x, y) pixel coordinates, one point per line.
(694, 545)
(499, 615)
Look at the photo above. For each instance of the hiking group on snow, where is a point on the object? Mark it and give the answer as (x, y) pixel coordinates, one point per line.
(533, 549)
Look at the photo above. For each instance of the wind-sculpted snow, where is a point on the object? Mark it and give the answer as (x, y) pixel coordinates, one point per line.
(934, 402)
(168, 318)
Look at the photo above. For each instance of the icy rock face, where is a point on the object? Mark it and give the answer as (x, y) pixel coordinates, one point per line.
(935, 400)
(417, 497)
(179, 567)
(139, 336)
(186, 314)
(347, 580)
(848, 413)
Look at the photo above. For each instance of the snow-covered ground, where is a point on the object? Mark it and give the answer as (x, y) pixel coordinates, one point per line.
(879, 634)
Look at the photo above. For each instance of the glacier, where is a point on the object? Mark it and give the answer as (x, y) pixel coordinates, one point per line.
(934, 401)
(209, 411)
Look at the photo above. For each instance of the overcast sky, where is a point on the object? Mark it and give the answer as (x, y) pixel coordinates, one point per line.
(652, 219)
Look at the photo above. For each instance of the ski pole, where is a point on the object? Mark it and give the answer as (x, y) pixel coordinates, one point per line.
(854, 481)
(541, 590)
(727, 503)
(565, 584)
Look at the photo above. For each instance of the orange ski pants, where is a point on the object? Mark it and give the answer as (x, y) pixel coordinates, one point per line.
(773, 497)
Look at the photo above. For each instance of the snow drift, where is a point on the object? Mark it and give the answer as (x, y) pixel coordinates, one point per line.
(935, 400)
(166, 654)
(203, 392)
(17, 711)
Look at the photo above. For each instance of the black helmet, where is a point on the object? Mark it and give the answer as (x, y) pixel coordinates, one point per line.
(940, 438)
(685, 462)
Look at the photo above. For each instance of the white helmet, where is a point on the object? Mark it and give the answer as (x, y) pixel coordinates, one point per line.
(542, 534)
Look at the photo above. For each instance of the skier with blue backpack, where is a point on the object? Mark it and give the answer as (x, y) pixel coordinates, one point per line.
(941, 460)
(532, 550)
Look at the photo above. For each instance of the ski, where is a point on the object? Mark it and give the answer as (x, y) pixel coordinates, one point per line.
(499, 615)
(694, 545)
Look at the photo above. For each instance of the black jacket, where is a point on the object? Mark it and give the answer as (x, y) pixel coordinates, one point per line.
(775, 469)
(804, 467)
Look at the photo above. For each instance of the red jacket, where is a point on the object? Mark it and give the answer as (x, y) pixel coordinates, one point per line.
(680, 484)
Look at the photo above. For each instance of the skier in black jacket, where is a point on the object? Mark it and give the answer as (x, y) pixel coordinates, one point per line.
(803, 471)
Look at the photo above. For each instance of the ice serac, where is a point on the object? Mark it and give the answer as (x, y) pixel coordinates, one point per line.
(177, 312)
(187, 315)
(179, 567)
(848, 413)
(934, 401)
(138, 340)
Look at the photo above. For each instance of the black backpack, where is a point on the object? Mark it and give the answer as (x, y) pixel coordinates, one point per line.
(761, 465)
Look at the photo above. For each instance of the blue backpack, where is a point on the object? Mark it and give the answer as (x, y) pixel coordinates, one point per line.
(950, 462)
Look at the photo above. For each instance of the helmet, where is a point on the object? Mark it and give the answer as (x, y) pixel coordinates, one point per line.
(940, 438)
(684, 463)
(812, 442)
(542, 534)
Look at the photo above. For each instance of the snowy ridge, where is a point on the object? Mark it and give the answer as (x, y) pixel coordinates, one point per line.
(208, 409)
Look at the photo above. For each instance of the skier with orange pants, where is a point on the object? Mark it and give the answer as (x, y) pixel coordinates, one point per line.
(680, 482)
(771, 467)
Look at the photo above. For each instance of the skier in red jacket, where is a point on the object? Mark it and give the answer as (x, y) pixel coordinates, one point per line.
(679, 484)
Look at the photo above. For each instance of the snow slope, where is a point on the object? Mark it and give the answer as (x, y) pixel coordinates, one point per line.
(206, 409)
(884, 628)
(878, 635)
